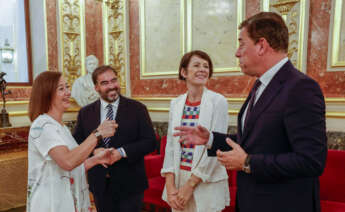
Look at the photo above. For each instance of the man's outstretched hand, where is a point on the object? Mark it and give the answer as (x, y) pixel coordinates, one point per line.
(193, 135)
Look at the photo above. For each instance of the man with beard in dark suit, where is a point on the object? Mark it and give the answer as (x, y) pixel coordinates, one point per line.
(119, 187)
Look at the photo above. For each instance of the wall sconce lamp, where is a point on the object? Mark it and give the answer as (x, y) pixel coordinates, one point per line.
(7, 53)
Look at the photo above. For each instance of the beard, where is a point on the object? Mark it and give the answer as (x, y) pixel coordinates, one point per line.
(110, 97)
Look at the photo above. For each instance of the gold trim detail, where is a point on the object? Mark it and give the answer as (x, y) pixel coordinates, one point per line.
(115, 37)
(72, 38)
(229, 99)
(339, 115)
(336, 44)
(238, 99)
(297, 22)
(25, 112)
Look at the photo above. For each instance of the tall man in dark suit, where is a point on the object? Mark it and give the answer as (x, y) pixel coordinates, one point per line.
(281, 147)
(120, 187)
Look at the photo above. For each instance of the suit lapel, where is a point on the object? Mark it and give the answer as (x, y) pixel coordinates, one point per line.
(270, 92)
(239, 119)
(121, 108)
(205, 119)
(97, 114)
(176, 121)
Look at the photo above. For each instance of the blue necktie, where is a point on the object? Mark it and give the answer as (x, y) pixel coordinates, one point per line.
(109, 116)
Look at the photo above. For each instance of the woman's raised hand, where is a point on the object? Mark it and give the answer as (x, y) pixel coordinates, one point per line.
(107, 128)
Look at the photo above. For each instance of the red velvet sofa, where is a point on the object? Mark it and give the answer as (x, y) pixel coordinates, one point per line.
(332, 182)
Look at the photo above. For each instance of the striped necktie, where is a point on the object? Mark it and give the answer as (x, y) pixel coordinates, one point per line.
(109, 116)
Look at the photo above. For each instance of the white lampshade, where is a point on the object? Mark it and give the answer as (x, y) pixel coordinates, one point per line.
(7, 53)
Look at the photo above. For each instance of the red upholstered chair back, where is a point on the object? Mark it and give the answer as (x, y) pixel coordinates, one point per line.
(332, 181)
(163, 144)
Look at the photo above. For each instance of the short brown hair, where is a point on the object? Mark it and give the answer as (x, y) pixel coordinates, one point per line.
(186, 59)
(268, 25)
(42, 93)
(100, 70)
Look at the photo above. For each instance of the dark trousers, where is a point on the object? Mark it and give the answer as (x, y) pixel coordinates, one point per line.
(106, 202)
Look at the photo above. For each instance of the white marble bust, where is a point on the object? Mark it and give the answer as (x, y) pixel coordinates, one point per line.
(83, 89)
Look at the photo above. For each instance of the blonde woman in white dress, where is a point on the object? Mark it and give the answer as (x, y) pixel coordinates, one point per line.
(195, 182)
(57, 164)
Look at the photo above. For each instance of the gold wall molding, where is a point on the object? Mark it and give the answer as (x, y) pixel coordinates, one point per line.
(115, 38)
(336, 37)
(25, 112)
(296, 15)
(186, 39)
(240, 14)
(229, 99)
(239, 101)
(72, 38)
(338, 115)
(145, 73)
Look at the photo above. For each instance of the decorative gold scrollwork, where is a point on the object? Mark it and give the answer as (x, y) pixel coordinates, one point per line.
(284, 6)
(115, 39)
(71, 39)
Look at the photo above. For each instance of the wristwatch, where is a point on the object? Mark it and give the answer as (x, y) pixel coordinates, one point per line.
(246, 166)
(98, 136)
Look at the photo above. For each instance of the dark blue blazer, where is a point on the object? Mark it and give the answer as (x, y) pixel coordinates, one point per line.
(134, 133)
(286, 138)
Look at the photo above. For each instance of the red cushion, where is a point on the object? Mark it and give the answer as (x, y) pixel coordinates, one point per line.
(153, 194)
(332, 181)
(163, 144)
(153, 165)
(331, 206)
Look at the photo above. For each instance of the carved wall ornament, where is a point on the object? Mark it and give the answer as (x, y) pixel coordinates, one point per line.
(296, 16)
(336, 53)
(72, 44)
(115, 38)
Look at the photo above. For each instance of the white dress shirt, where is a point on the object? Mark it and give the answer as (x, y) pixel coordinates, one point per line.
(265, 79)
(104, 109)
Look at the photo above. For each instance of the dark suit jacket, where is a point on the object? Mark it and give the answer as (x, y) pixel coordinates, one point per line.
(134, 133)
(286, 139)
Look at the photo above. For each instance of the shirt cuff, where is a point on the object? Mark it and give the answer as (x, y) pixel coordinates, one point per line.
(210, 141)
(122, 152)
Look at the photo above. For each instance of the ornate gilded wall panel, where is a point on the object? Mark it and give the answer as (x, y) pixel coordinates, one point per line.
(213, 28)
(115, 38)
(72, 43)
(162, 35)
(336, 52)
(296, 16)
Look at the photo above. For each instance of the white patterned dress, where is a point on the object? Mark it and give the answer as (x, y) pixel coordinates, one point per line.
(51, 188)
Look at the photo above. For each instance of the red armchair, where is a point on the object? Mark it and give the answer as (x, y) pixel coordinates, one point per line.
(332, 183)
(153, 166)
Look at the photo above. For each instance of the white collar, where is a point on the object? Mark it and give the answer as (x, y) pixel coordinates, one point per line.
(115, 104)
(268, 75)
